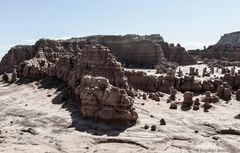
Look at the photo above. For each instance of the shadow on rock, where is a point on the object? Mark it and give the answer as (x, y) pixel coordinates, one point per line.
(185, 108)
(69, 102)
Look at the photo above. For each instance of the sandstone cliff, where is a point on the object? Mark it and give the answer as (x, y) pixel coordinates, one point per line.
(177, 54)
(233, 38)
(104, 94)
(15, 56)
(227, 48)
(131, 50)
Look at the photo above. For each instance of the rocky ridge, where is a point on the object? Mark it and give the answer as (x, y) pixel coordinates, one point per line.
(109, 96)
(131, 50)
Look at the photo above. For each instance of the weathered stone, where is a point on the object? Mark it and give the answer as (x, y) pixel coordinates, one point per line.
(227, 93)
(153, 128)
(146, 126)
(189, 84)
(177, 54)
(15, 56)
(224, 91)
(162, 122)
(215, 99)
(104, 96)
(14, 76)
(180, 73)
(144, 96)
(101, 100)
(197, 102)
(195, 107)
(193, 71)
(157, 98)
(207, 98)
(173, 93)
(238, 95)
(220, 90)
(208, 85)
(173, 105)
(187, 101)
(5, 77)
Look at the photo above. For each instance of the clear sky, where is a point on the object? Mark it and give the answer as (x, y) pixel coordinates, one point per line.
(193, 23)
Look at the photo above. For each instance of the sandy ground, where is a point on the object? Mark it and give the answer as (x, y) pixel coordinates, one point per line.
(34, 118)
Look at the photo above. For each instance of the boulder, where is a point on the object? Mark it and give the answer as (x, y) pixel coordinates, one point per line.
(5, 77)
(14, 76)
(187, 101)
(208, 85)
(224, 91)
(173, 93)
(99, 99)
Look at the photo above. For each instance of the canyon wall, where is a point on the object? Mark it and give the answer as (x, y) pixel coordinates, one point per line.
(131, 50)
(227, 48)
(96, 78)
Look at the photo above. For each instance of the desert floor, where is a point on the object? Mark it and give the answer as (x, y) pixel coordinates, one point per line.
(40, 117)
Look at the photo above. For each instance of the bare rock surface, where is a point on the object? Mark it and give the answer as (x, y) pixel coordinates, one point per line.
(101, 100)
(94, 60)
(227, 49)
(53, 124)
(15, 56)
(131, 50)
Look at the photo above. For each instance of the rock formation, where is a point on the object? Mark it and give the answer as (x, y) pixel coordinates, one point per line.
(71, 66)
(177, 54)
(173, 93)
(233, 38)
(131, 50)
(135, 50)
(173, 105)
(103, 101)
(15, 56)
(232, 80)
(193, 71)
(188, 83)
(238, 95)
(196, 104)
(14, 76)
(224, 91)
(187, 101)
(227, 49)
(5, 77)
(209, 98)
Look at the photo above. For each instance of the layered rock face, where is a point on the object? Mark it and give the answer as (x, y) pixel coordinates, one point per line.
(72, 65)
(227, 48)
(151, 83)
(134, 51)
(131, 50)
(15, 56)
(233, 38)
(177, 54)
(101, 100)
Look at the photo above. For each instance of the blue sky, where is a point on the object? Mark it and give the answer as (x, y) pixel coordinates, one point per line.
(193, 23)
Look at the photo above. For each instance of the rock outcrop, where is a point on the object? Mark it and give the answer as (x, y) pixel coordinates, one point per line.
(233, 38)
(238, 95)
(187, 99)
(177, 54)
(227, 49)
(224, 91)
(107, 78)
(131, 50)
(15, 56)
(134, 50)
(100, 100)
